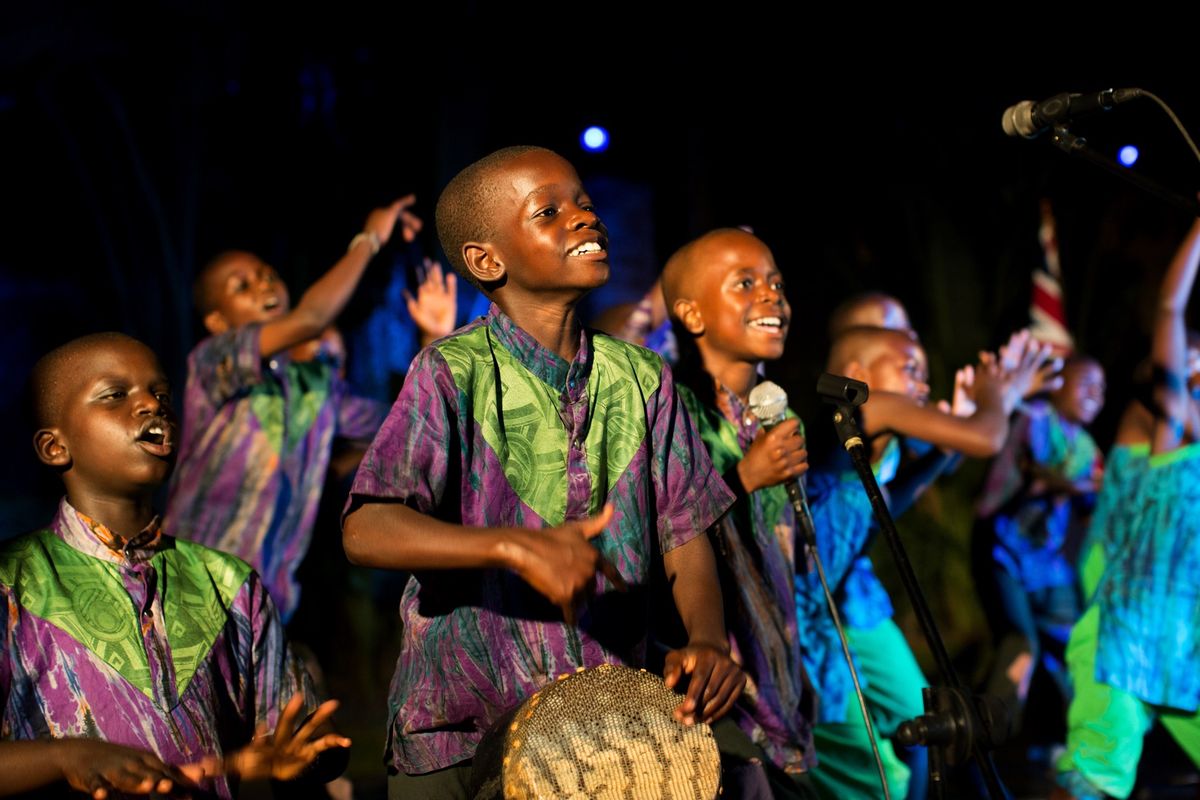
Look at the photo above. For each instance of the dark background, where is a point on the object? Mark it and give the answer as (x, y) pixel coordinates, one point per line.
(136, 142)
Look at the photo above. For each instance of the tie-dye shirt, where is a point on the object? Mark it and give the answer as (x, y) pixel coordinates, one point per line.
(257, 438)
(756, 548)
(1149, 596)
(157, 643)
(492, 429)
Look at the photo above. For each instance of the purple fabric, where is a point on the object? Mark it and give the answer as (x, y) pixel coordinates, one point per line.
(478, 643)
(257, 438)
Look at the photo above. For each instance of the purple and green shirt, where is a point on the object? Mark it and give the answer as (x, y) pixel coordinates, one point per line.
(257, 438)
(156, 643)
(492, 429)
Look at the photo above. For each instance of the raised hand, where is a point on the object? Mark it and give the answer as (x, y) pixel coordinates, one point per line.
(436, 304)
(715, 681)
(382, 221)
(561, 563)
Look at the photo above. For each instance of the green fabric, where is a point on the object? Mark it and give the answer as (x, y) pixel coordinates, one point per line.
(534, 454)
(85, 597)
(1105, 726)
(293, 414)
(892, 682)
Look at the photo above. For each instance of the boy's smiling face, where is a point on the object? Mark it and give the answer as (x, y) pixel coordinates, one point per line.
(243, 289)
(547, 234)
(115, 434)
(738, 299)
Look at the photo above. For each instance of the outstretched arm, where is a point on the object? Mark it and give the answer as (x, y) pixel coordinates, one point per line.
(95, 767)
(1169, 346)
(325, 299)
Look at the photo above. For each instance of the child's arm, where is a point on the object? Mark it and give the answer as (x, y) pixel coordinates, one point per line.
(435, 307)
(325, 299)
(980, 435)
(558, 562)
(716, 680)
(773, 457)
(88, 765)
(1169, 347)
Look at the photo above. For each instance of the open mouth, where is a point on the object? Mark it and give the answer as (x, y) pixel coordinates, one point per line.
(773, 324)
(156, 438)
(588, 249)
(271, 304)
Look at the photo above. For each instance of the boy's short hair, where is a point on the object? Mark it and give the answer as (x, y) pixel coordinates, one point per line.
(203, 294)
(681, 267)
(465, 210)
(859, 342)
(47, 382)
(843, 317)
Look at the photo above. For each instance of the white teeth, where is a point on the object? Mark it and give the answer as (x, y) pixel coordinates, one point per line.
(586, 247)
(767, 322)
(155, 429)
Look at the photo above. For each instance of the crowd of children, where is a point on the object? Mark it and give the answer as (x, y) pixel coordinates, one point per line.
(559, 499)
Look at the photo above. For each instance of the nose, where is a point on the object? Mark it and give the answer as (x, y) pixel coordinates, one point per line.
(148, 404)
(585, 218)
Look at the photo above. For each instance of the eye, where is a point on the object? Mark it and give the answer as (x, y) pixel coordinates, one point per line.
(163, 397)
(588, 205)
(241, 285)
(744, 283)
(548, 212)
(113, 394)
(777, 285)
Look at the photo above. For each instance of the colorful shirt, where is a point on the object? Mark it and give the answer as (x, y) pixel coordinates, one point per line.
(756, 546)
(1149, 596)
(492, 429)
(257, 438)
(1031, 531)
(160, 644)
(844, 521)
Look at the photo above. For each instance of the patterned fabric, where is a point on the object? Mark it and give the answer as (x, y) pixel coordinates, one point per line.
(1149, 597)
(159, 644)
(756, 544)
(491, 429)
(1032, 530)
(255, 450)
(1110, 528)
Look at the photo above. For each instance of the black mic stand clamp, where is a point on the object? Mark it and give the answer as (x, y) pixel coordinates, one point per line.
(956, 725)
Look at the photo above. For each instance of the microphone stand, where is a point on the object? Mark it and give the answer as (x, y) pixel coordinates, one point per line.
(1074, 145)
(956, 725)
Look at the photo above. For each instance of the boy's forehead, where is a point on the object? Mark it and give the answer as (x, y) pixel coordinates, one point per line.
(728, 251)
(534, 171)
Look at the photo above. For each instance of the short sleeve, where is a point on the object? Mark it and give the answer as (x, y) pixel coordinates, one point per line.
(410, 458)
(222, 366)
(690, 494)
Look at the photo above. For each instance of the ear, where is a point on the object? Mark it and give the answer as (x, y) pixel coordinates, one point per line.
(50, 447)
(482, 262)
(689, 314)
(215, 322)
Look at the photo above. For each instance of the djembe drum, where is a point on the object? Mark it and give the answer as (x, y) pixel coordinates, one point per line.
(599, 733)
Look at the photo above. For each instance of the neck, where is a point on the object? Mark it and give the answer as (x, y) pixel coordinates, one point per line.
(124, 516)
(554, 324)
(737, 376)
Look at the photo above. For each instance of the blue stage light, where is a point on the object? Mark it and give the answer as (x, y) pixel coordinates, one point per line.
(1128, 155)
(595, 139)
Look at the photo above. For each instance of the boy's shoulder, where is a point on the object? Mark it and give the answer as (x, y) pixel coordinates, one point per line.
(618, 355)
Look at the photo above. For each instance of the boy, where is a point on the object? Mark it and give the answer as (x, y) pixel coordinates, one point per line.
(259, 421)
(892, 363)
(465, 486)
(725, 298)
(130, 659)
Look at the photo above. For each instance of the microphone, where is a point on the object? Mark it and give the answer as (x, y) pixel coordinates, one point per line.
(1028, 118)
(768, 403)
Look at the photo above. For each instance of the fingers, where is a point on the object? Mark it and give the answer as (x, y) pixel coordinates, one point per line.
(404, 202)
(700, 670)
(287, 720)
(672, 669)
(594, 526)
(318, 718)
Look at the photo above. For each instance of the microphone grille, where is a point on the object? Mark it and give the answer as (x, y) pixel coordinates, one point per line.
(768, 402)
(1017, 120)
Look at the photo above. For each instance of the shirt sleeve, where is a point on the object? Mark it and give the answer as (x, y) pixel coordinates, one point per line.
(690, 494)
(223, 365)
(417, 446)
(277, 672)
(359, 418)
